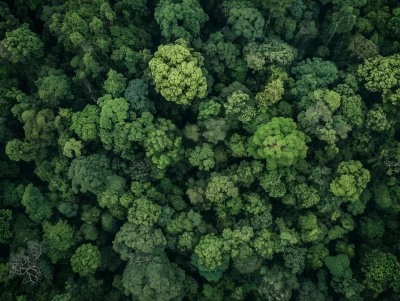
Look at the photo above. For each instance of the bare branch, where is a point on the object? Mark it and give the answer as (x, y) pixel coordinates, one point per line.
(25, 264)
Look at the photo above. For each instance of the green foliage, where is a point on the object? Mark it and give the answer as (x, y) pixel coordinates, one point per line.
(343, 20)
(279, 143)
(214, 129)
(313, 74)
(115, 83)
(177, 74)
(144, 212)
(60, 238)
(139, 238)
(86, 260)
(339, 265)
(85, 123)
(180, 19)
(272, 184)
(202, 157)
(380, 270)
(308, 224)
(246, 22)
(21, 45)
(90, 173)
(210, 251)
(271, 94)
(155, 279)
(18, 150)
(221, 56)
(5, 225)
(220, 189)
(377, 120)
(350, 180)
(54, 88)
(272, 51)
(380, 73)
(277, 284)
(199, 150)
(371, 228)
(294, 259)
(136, 94)
(36, 205)
(163, 144)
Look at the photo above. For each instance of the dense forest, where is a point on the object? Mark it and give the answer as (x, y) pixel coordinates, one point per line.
(156, 150)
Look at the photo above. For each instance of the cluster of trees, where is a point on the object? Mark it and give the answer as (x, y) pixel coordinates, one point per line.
(199, 150)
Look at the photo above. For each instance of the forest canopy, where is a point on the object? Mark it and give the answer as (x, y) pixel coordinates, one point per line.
(199, 150)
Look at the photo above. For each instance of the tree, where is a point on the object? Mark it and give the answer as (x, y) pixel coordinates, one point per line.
(60, 239)
(18, 150)
(53, 88)
(85, 123)
(271, 182)
(220, 188)
(156, 279)
(350, 180)
(380, 73)
(343, 21)
(90, 173)
(295, 259)
(271, 94)
(309, 291)
(210, 251)
(310, 231)
(86, 260)
(380, 270)
(214, 129)
(180, 19)
(21, 45)
(279, 143)
(276, 8)
(272, 51)
(376, 119)
(202, 157)
(313, 74)
(177, 73)
(114, 113)
(277, 284)
(362, 48)
(136, 94)
(246, 22)
(339, 265)
(39, 129)
(115, 83)
(36, 205)
(133, 238)
(239, 106)
(144, 212)
(221, 55)
(163, 143)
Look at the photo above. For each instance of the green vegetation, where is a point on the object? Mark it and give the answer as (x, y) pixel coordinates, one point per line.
(200, 150)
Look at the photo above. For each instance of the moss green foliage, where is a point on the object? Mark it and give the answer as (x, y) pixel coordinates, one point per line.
(37, 206)
(86, 260)
(21, 45)
(60, 239)
(180, 19)
(177, 73)
(202, 150)
(380, 270)
(279, 142)
(350, 180)
(339, 265)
